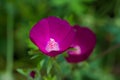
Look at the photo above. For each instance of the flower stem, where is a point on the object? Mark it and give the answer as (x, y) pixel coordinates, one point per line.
(10, 41)
(58, 68)
(107, 51)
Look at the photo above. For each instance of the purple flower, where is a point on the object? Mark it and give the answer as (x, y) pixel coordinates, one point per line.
(83, 45)
(52, 35)
(32, 74)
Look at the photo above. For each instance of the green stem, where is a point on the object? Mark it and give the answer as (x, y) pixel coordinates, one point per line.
(56, 64)
(58, 68)
(10, 41)
(106, 52)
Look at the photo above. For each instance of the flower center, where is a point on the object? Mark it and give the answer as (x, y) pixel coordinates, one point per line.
(76, 50)
(52, 45)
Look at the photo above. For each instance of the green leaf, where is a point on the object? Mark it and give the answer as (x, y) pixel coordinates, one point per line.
(35, 56)
(59, 2)
(31, 45)
(54, 78)
(21, 71)
(70, 19)
(50, 77)
(33, 52)
(49, 66)
(40, 64)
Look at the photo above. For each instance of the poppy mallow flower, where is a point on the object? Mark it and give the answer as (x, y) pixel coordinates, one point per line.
(52, 35)
(83, 45)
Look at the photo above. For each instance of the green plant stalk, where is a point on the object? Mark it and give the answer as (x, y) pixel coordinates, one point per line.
(10, 40)
(58, 68)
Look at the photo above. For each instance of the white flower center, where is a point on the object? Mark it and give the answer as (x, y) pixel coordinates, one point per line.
(52, 45)
(77, 50)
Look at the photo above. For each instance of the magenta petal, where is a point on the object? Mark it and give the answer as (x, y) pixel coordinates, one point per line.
(39, 34)
(61, 31)
(51, 35)
(84, 44)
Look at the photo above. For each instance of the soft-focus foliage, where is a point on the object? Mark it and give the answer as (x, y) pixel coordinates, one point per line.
(18, 16)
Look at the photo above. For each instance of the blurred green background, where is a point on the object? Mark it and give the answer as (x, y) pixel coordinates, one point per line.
(18, 16)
